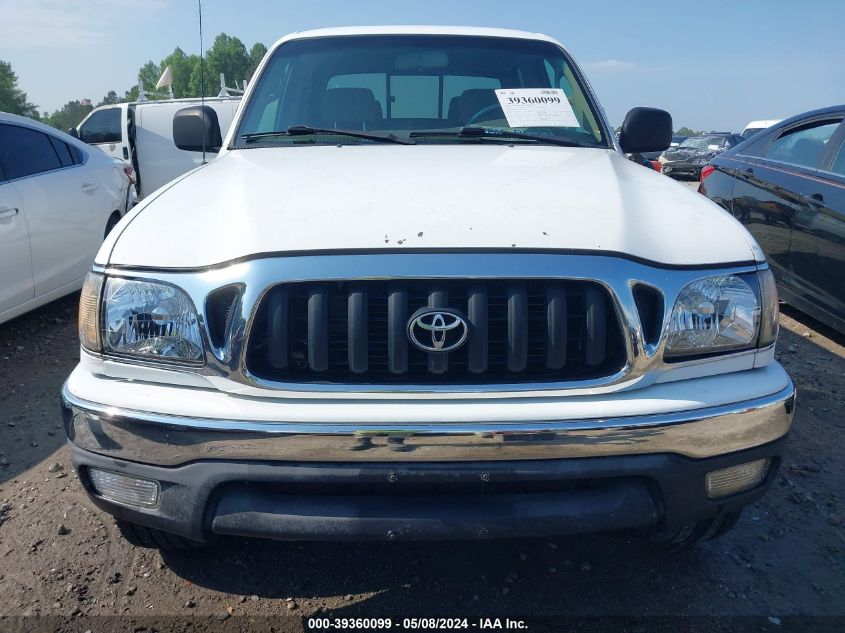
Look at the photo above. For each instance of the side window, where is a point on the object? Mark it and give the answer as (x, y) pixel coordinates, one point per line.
(102, 127)
(803, 145)
(24, 152)
(268, 116)
(62, 151)
(76, 153)
(757, 146)
(838, 165)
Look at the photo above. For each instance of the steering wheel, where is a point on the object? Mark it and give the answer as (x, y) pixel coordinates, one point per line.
(482, 111)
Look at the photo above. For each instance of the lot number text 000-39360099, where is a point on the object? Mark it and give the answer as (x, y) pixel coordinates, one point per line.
(413, 624)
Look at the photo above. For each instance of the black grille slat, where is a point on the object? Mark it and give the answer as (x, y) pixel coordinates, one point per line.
(477, 314)
(277, 324)
(318, 329)
(527, 330)
(556, 322)
(517, 327)
(397, 339)
(357, 344)
(595, 325)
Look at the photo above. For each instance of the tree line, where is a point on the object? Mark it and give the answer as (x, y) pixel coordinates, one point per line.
(227, 55)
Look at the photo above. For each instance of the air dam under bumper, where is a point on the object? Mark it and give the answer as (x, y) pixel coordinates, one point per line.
(420, 482)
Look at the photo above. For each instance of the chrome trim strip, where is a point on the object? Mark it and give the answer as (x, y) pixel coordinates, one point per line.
(170, 440)
(255, 277)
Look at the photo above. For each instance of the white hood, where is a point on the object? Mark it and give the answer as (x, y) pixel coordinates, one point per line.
(328, 198)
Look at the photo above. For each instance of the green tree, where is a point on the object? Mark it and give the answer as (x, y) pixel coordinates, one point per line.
(182, 66)
(12, 98)
(70, 115)
(227, 55)
(148, 74)
(256, 54)
(110, 99)
(685, 131)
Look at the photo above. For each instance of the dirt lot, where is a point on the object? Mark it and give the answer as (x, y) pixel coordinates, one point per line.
(60, 556)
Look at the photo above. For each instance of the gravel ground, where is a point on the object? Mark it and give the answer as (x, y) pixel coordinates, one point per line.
(59, 556)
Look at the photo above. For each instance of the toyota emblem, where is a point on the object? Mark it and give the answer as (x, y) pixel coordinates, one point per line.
(437, 329)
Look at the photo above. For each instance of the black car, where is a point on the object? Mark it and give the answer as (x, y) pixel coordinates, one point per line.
(787, 186)
(695, 152)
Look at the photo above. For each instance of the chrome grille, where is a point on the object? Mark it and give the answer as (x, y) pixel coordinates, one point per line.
(521, 330)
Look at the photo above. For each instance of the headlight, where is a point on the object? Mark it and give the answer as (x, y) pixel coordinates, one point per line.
(149, 320)
(713, 314)
(89, 312)
(769, 308)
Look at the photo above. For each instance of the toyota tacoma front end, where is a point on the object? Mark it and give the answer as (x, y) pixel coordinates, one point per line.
(422, 294)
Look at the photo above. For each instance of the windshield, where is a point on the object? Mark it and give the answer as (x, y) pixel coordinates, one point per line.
(749, 132)
(702, 142)
(403, 84)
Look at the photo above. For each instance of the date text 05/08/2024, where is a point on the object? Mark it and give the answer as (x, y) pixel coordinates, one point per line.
(410, 624)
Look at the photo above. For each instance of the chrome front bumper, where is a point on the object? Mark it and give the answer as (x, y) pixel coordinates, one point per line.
(163, 440)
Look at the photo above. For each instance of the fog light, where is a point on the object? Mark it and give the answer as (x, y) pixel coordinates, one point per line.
(124, 489)
(728, 481)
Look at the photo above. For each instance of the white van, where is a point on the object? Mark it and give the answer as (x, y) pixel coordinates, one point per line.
(758, 126)
(142, 133)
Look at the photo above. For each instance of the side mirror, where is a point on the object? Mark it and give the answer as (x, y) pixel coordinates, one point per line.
(196, 128)
(72, 131)
(646, 130)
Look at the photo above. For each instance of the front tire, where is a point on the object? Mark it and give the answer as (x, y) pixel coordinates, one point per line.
(152, 538)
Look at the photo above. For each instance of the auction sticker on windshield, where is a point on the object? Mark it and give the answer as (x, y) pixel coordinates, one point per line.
(536, 107)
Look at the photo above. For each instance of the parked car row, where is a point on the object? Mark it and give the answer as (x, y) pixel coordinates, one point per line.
(691, 154)
(58, 199)
(785, 180)
(688, 154)
(787, 186)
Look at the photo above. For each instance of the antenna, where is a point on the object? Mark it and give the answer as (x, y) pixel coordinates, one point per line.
(202, 81)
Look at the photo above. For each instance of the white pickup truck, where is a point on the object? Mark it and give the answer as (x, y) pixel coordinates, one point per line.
(421, 294)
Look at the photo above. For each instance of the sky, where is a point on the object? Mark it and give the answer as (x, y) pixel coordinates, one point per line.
(713, 65)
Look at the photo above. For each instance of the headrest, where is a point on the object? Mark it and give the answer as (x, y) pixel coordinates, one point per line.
(473, 101)
(354, 108)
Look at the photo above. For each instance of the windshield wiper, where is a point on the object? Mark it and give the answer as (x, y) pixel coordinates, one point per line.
(307, 130)
(490, 132)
